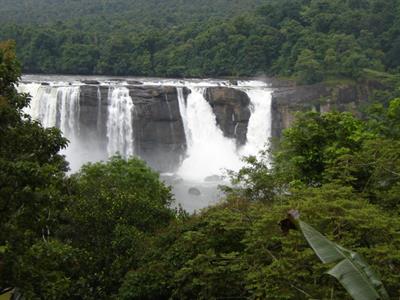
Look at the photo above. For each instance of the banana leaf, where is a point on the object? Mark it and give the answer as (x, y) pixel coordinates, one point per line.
(356, 276)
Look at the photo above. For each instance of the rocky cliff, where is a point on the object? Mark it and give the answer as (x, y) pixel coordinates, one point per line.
(158, 130)
(289, 99)
(232, 112)
(158, 133)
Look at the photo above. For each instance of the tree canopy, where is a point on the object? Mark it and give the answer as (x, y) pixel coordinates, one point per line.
(109, 231)
(309, 40)
(67, 237)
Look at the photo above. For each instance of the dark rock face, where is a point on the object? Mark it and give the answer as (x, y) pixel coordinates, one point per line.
(90, 81)
(214, 178)
(231, 108)
(134, 82)
(158, 132)
(194, 191)
(93, 117)
(286, 101)
(158, 129)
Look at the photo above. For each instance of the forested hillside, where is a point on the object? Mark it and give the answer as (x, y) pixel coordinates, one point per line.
(109, 232)
(310, 40)
(137, 12)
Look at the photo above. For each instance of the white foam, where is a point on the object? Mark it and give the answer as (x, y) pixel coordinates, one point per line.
(209, 152)
(119, 122)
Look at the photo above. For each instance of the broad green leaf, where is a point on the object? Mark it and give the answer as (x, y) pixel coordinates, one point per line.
(356, 283)
(324, 248)
(370, 273)
(356, 276)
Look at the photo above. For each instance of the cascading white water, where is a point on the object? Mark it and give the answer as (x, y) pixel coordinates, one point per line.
(48, 103)
(209, 152)
(259, 128)
(68, 97)
(99, 118)
(183, 112)
(119, 122)
(34, 106)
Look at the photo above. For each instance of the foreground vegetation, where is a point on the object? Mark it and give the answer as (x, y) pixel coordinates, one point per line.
(311, 40)
(108, 232)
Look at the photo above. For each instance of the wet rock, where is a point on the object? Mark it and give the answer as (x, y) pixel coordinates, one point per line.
(233, 82)
(158, 128)
(91, 82)
(171, 179)
(134, 82)
(117, 79)
(286, 101)
(194, 191)
(214, 178)
(232, 112)
(93, 113)
(159, 137)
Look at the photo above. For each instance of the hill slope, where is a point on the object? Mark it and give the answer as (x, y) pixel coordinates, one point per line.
(312, 40)
(159, 12)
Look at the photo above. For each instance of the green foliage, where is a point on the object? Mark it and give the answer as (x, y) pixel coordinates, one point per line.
(310, 40)
(108, 231)
(308, 68)
(325, 164)
(31, 172)
(50, 270)
(68, 237)
(356, 276)
(237, 250)
(103, 229)
(311, 149)
(255, 181)
(113, 208)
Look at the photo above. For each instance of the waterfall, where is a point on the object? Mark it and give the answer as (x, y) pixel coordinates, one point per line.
(259, 128)
(171, 125)
(209, 152)
(54, 106)
(99, 125)
(99, 119)
(34, 106)
(119, 122)
(183, 112)
(69, 112)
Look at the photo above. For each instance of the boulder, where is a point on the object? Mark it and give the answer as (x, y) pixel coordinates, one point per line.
(158, 133)
(286, 101)
(134, 82)
(93, 115)
(214, 178)
(171, 179)
(232, 112)
(158, 128)
(194, 191)
(91, 82)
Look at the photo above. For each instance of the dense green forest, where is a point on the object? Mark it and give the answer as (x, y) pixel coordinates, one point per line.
(108, 231)
(137, 12)
(311, 40)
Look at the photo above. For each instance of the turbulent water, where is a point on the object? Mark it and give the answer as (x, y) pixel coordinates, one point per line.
(119, 122)
(259, 128)
(209, 151)
(56, 102)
